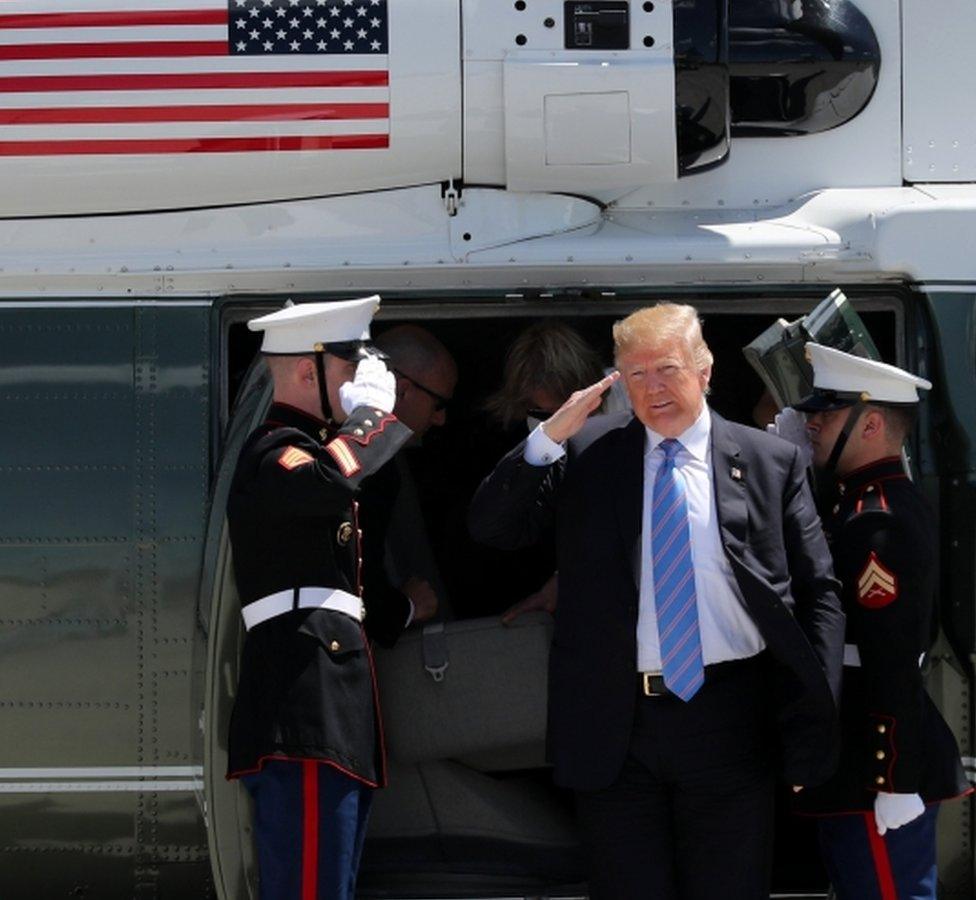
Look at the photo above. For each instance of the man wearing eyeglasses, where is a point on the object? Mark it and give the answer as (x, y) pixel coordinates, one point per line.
(426, 375)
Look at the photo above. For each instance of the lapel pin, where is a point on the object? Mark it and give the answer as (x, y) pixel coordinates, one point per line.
(736, 473)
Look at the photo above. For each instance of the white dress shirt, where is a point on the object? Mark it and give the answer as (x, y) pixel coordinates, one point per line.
(727, 630)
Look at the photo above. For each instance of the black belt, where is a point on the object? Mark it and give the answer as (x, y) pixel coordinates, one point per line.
(651, 684)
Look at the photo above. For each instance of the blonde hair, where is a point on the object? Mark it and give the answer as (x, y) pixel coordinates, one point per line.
(658, 324)
(547, 356)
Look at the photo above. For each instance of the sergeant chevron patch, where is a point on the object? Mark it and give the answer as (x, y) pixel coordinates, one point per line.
(293, 457)
(876, 585)
(348, 464)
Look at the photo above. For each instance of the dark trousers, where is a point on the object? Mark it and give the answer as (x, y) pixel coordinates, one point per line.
(309, 825)
(863, 865)
(690, 817)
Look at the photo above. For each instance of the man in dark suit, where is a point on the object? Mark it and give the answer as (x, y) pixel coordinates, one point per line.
(426, 376)
(899, 758)
(698, 637)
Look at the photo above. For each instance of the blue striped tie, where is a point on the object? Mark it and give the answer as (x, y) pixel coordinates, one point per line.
(674, 581)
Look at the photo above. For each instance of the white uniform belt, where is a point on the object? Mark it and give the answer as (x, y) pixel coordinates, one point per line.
(308, 598)
(852, 657)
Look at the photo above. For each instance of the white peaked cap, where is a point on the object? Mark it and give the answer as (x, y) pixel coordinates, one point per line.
(877, 382)
(297, 329)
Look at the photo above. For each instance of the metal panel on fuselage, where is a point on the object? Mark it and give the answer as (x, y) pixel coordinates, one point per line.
(939, 83)
(103, 479)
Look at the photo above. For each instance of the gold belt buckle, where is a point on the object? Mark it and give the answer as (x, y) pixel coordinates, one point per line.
(649, 684)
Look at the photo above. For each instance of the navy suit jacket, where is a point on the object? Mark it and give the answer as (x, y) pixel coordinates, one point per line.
(774, 543)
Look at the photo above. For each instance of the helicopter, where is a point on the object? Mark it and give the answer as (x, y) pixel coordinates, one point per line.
(173, 168)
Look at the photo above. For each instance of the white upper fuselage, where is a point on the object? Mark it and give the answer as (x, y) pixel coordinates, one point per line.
(884, 196)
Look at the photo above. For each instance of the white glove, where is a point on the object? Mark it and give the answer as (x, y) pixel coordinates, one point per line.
(891, 811)
(374, 385)
(792, 426)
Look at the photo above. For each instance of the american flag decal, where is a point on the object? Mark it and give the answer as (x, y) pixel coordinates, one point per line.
(192, 76)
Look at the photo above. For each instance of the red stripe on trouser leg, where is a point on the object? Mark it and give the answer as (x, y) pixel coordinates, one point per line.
(882, 864)
(310, 830)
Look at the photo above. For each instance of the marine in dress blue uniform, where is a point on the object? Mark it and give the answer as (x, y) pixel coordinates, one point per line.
(899, 759)
(305, 733)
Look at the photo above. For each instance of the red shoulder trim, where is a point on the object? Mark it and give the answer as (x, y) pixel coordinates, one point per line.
(875, 492)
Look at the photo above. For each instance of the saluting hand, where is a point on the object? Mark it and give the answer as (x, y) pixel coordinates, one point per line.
(791, 425)
(373, 385)
(571, 416)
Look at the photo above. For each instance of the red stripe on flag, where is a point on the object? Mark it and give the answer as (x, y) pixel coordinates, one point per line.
(283, 112)
(137, 49)
(111, 19)
(200, 80)
(310, 830)
(282, 144)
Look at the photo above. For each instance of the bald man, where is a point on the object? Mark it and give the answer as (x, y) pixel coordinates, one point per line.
(426, 375)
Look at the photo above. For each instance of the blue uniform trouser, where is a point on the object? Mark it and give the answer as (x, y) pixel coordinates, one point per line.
(309, 826)
(863, 865)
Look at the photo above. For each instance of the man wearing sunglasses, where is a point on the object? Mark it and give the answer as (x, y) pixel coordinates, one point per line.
(425, 378)
(425, 373)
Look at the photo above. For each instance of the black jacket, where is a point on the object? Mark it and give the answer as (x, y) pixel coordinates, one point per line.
(772, 539)
(306, 688)
(882, 534)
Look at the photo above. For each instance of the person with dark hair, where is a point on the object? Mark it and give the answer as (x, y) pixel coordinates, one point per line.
(899, 758)
(697, 607)
(545, 364)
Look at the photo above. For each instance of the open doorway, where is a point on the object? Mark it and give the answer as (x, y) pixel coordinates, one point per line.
(471, 809)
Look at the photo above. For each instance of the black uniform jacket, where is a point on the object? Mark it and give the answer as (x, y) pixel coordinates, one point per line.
(882, 534)
(306, 688)
(772, 539)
